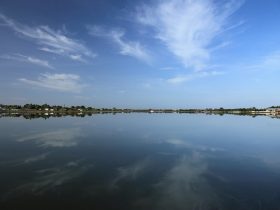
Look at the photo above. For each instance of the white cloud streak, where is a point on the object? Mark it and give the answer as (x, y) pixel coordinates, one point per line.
(168, 68)
(185, 78)
(27, 59)
(50, 40)
(59, 82)
(189, 28)
(129, 48)
(269, 62)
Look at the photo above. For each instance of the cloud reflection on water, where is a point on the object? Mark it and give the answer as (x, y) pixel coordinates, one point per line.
(131, 172)
(185, 187)
(36, 158)
(59, 138)
(186, 144)
(50, 178)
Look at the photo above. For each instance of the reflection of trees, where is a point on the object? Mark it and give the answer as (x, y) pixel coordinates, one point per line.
(35, 115)
(31, 116)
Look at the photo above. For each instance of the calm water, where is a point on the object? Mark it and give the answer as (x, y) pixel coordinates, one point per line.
(140, 161)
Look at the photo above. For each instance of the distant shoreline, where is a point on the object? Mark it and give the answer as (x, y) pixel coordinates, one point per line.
(45, 111)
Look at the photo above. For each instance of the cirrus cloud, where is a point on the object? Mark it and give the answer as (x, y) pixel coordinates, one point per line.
(50, 40)
(28, 59)
(189, 28)
(196, 75)
(128, 48)
(59, 82)
(269, 62)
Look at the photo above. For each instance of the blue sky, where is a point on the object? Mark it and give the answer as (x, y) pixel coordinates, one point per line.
(161, 53)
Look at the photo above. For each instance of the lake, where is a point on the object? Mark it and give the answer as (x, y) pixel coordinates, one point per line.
(140, 161)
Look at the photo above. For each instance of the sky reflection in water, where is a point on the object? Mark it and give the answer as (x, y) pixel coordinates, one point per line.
(140, 161)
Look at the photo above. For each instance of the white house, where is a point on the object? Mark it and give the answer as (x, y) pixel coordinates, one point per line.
(273, 111)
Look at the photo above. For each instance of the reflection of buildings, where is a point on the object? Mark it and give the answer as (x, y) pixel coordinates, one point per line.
(268, 111)
(274, 111)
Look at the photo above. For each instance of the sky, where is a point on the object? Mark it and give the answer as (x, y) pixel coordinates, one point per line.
(140, 54)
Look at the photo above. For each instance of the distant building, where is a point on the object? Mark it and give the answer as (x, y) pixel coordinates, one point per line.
(273, 111)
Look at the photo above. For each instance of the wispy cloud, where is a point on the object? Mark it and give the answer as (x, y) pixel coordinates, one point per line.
(168, 68)
(189, 28)
(59, 82)
(268, 62)
(27, 59)
(50, 40)
(129, 48)
(188, 77)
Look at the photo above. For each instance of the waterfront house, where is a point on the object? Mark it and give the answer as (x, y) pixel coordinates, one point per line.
(272, 111)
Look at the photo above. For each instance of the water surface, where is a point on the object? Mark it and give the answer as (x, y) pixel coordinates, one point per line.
(140, 161)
